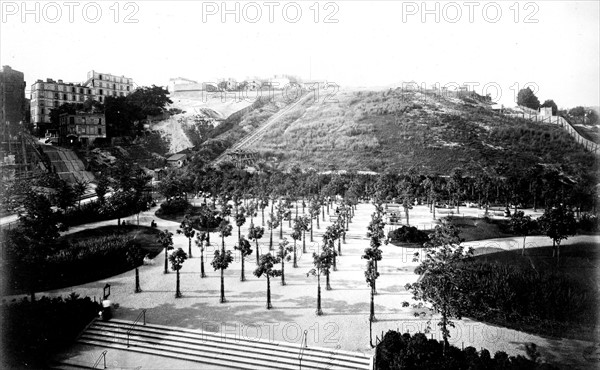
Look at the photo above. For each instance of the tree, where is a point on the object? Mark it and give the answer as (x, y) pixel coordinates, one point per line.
(102, 187)
(284, 255)
(273, 223)
(550, 103)
(322, 263)
(313, 210)
(201, 238)
(527, 98)
(245, 250)
(255, 233)
(240, 219)
(558, 223)
(440, 283)
(304, 223)
(371, 275)
(79, 188)
(187, 229)
(165, 238)
(135, 257)
(375, 231)
(177, 259)
(64, 197)
(296, 235)
(221, 262)
(522, 225)
(372, 255)
(224, 230)
(265, 267)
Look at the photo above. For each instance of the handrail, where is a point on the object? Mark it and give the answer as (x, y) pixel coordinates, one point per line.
(303, 345)
(141, 314)
(102, 356)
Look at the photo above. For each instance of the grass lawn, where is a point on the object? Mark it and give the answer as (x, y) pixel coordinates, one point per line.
(95, 267)
(178, 217)
(579, 263)
(472, 229)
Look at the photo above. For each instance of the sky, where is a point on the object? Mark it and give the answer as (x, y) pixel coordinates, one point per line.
(494, 47)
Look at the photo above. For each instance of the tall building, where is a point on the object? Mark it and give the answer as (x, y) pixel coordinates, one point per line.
(52, 94)
(12, 96)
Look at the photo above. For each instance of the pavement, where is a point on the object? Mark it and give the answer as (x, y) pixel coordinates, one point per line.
(345, 323)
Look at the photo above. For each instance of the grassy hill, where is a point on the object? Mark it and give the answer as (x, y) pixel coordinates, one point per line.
(394, 130)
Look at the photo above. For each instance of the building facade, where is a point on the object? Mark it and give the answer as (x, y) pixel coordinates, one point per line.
(52, 94)
(81, 128)
(12, 96)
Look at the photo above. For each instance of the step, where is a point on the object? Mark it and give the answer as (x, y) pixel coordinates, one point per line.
(209, 347)
(221, 348)
(279, 344)
(199, 334)
(215, 343)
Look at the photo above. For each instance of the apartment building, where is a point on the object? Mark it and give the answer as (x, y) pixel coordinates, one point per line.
(81, 127)
(49, 94)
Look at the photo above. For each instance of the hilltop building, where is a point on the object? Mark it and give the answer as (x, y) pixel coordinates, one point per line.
(52, 94)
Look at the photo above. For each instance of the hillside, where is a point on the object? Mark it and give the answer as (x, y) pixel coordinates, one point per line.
(394, 129)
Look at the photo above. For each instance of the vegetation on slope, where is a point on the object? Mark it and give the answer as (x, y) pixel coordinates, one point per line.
(395, 130)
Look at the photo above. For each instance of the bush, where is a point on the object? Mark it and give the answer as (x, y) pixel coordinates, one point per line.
(408, 234)
(34, 331)
(406, 352)
(588, 222)
(174, 206)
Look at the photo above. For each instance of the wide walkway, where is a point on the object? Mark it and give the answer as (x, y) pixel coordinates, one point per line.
(345, 323)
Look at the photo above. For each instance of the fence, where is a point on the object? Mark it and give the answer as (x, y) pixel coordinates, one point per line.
(557, 120)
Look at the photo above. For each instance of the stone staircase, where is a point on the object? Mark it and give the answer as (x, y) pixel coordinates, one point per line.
(214, 349)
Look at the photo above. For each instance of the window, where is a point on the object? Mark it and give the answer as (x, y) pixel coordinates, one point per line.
(100, 99)
(99, 121)
(100, 92)
(114, 86)
(72, 120)
(56, 103)
(64, 96)
(73, 90)
(55, 95)
(81, 98)
(99, 130)
(127, 88)
(100, 77)
(80, 90)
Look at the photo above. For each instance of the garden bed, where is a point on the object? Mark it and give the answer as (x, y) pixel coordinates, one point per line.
(75, 264)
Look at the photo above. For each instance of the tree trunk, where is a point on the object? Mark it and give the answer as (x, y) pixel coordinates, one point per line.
(375, 282)
(318, 226)
(271, 240)
(339, 247)
(523, 252)
(406, 213)
(295, 260)
(263, 216)
(327, 285)
(166, 261)
(257, 256)
(222, 286)
(334, 261)
(137, 281)
(282, 272)
(303, 241)
(242, 277)
(372, 316)
(202, 274)
(319, 311)
(281, 229)
(177, 291)
(311, 230)
(268, 293)
(190, 246)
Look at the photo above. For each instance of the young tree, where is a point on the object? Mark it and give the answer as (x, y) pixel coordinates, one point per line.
(221, 262)
(273, 223)
(322, 263)
(313, 210)
(135, 257)
(372, 255)
(284, 255)
(240, 219)
(329, 251)
(283, 213)
(245, 250)
(265, 267)
(296, 235)
(522, 225)
(558, 223)
(165, 238)
(224, 230)
(440, 282)
(201, 238)
(370, 276)
(79, 188)
(376, 231)
(304, 225)
(255, 233)
(187, 229)
(177, 259)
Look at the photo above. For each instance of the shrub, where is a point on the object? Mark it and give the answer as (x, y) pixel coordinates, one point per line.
(408, 234)
(174, 206)
(34, 331)
(406, 352)
(588, 222)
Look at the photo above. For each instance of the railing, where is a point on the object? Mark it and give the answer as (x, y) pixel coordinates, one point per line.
(102, 356)
(141, 315)
(303, 345)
